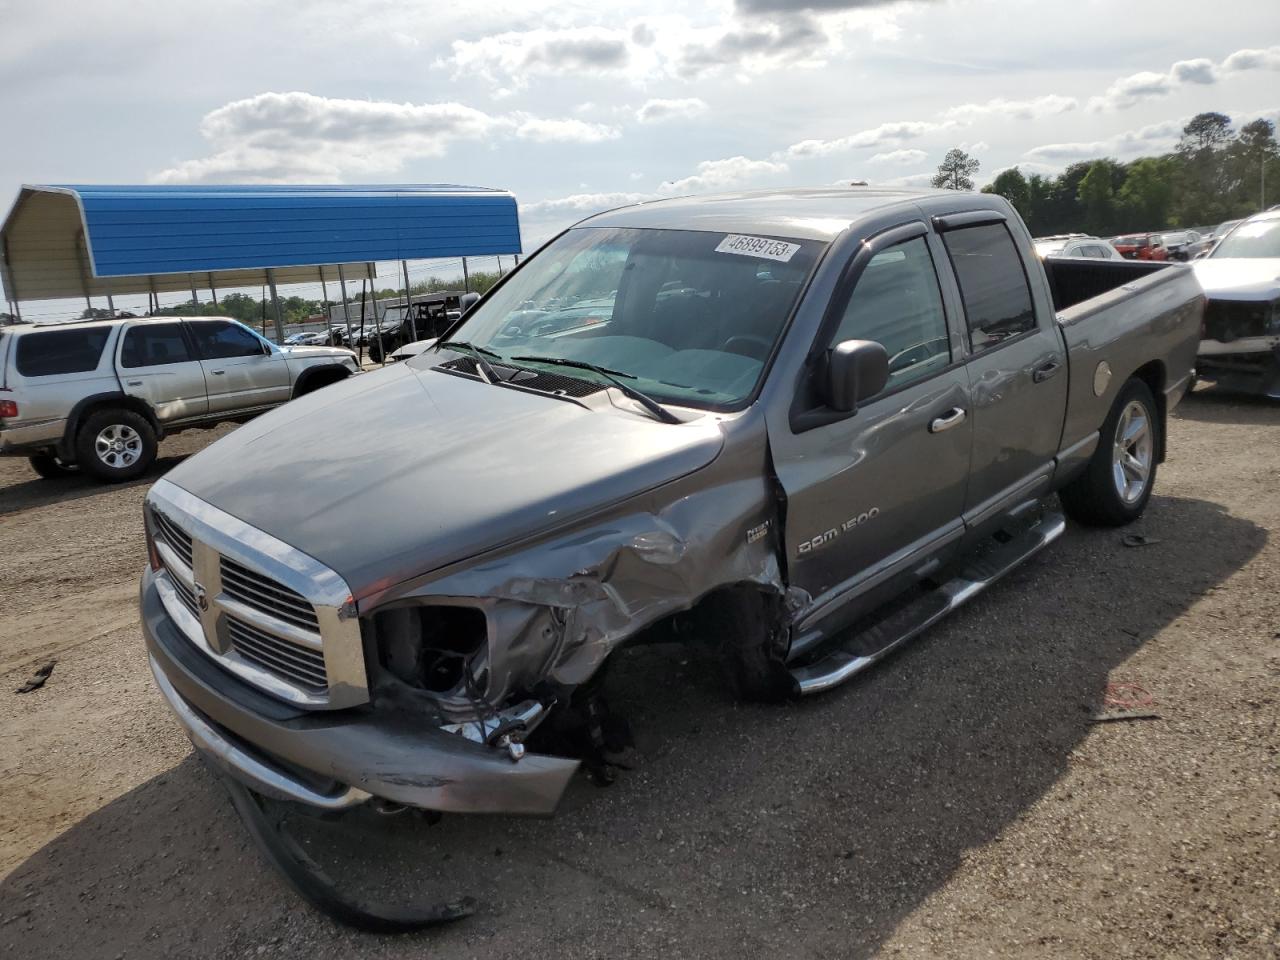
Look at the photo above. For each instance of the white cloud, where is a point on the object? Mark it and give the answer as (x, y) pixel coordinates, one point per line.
(901, 157)
(1136, 88)
(887, 134)
(759, 45)
(654, 111)
(565, 131)
(1153, 138)
(301, 137)
(580, 205)
(1241, 60)
(515, 56)
(1034, 109)
(721, 174)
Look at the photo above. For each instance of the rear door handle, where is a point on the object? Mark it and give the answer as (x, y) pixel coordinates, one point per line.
(217, 373)
(133, 383)
(1045, 371)
(952, 418)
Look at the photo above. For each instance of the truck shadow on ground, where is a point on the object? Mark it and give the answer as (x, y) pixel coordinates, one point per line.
(811, 828)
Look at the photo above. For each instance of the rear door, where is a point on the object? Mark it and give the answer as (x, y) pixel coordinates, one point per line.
(241, 370)
(1017, 365)
(157, 364)
(873, 495)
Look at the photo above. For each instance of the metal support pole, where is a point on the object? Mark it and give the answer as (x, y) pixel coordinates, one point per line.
(17, 310)
(499, 259)
(213, 290)
(324, 292)
(111, 304)
(275, 302)
(346, 305)
(466, 277)
(408, 301)
(194, 297)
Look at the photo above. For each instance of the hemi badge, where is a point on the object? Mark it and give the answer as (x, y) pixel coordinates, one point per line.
(757, 533)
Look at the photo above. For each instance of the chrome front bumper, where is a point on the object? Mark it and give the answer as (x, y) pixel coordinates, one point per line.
(337, 759)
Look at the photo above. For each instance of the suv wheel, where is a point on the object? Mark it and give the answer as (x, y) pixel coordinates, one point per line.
(114, 445)
(50, 467)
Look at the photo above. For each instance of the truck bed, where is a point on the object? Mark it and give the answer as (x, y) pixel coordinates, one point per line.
(1123, 312)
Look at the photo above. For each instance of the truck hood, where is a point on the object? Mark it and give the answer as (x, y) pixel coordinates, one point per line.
(393, 474)
(1240, 278)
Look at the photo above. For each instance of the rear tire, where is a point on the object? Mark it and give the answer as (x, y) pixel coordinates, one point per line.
(1115, 487)
(115, 445)
(50, 467)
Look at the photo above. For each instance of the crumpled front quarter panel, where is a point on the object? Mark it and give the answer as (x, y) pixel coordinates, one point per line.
(560, 605)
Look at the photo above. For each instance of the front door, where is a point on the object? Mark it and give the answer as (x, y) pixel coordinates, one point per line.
(157, 365)
(1017, 372)
(241, 369)
(872, 496)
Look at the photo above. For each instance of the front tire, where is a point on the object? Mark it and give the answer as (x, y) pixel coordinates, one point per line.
(752, 644)
(51, 467)
(1115, 487)
(115, 445)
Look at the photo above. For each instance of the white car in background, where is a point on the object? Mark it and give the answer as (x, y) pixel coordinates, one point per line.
(1240, 349)
(1076, 245)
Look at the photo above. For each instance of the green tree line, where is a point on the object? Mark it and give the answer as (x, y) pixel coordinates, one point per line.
(1215, 174)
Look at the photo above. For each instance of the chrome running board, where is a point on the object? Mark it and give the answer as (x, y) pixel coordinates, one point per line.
(866, 647)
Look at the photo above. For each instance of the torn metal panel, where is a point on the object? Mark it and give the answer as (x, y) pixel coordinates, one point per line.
(560, 605)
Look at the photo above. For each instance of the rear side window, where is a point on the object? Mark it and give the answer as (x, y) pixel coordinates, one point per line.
(154, 345)
(219, 340)
(53, 352)
(993, 285)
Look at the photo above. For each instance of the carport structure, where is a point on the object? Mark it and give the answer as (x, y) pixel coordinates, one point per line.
(90, 241)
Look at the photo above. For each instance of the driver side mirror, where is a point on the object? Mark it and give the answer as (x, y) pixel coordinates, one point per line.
(467, 301)
(856, 370)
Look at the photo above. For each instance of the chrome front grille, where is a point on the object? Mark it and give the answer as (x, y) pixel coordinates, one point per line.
(260, 608)
(289, 661)
(177, 538)
(267, 596)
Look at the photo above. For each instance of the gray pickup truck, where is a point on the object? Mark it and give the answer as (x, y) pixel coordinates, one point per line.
(800, 426)
(99, 396)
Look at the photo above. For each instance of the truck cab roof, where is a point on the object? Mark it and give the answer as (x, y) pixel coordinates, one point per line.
(821, 213)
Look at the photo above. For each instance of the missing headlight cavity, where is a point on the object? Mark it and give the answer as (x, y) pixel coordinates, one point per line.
(428, 647)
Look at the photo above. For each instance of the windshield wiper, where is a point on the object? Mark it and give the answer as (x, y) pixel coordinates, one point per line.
(646, 401)
(478, 354)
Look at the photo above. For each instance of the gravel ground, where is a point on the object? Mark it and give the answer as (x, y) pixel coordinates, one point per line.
(955, 802)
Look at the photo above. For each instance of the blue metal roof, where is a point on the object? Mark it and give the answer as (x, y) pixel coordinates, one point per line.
(64, 240)
(148, 230)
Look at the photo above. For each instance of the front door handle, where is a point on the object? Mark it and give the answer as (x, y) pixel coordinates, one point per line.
(952, 418)
(133, 383)
(1045, 371)
(217, 373)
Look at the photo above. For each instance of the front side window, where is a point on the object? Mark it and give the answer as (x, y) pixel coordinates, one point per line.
(53, 352)
(686, 316)
(897, 303)
(153, 345)
(993, 284)
(222, 340)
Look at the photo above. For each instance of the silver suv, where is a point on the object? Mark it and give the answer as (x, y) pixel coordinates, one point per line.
(99, 395)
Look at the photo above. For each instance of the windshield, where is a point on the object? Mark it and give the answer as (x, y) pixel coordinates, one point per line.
(1261, 238)
(688, 317)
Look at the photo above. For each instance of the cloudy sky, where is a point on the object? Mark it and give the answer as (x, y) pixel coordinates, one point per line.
(575, 106)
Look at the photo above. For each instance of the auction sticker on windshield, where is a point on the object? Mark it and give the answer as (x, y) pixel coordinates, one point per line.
(758, 247)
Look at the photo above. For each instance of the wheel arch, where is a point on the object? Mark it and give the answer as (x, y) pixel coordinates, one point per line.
(80, 412)
(1155, 376)
(321, 375)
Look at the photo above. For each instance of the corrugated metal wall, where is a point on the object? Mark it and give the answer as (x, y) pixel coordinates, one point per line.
(167, 237)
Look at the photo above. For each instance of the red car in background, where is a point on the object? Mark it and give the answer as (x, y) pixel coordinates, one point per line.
(1141, 246)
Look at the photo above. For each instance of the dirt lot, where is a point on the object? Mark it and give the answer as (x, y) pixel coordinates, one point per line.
(956, 802)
